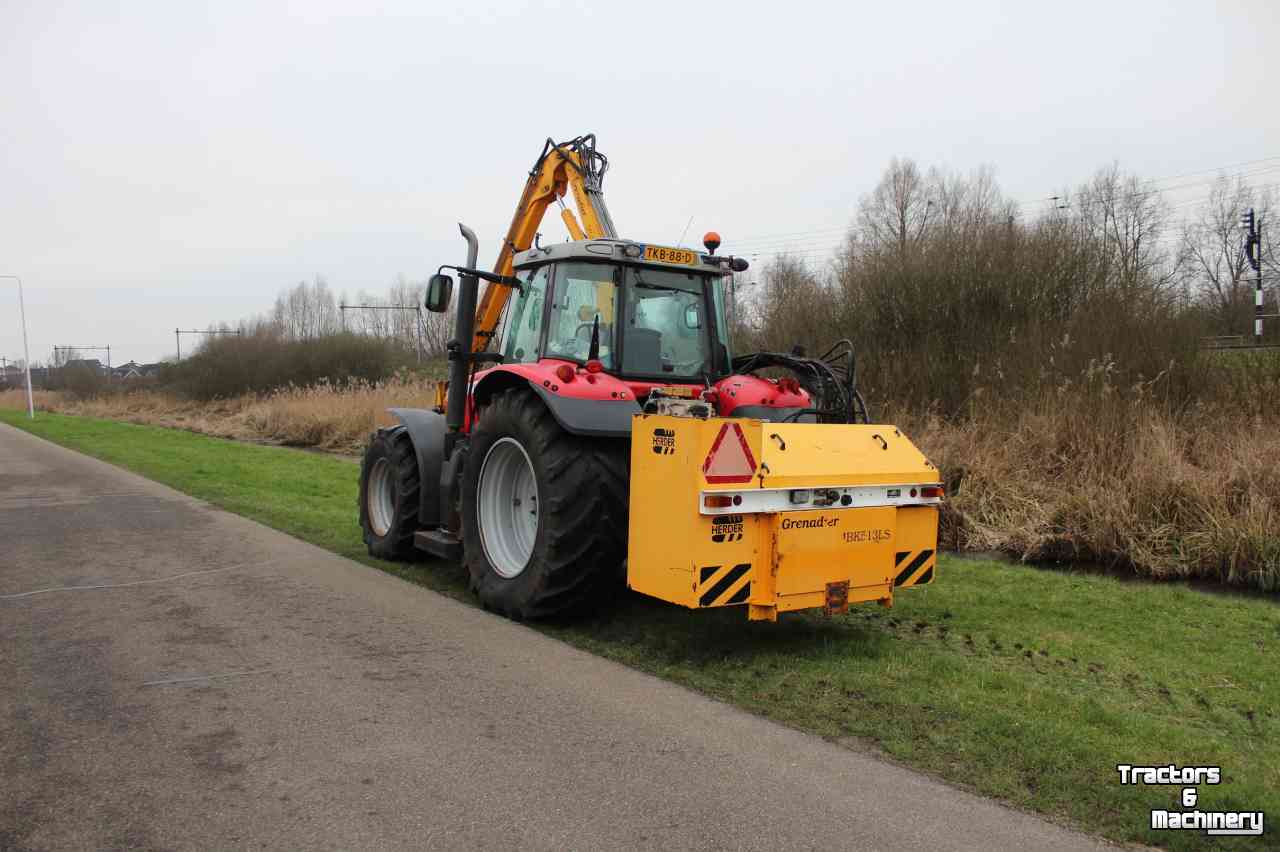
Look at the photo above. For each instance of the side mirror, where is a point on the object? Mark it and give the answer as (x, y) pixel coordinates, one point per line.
(739, 264)
(439, 290)
(692, 317)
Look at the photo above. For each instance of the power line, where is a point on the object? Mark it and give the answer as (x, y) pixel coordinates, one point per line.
(1063, 202)
(1169, 236)
(419, 324)
(765, 242)
(821, 242)
(178, 332)
(75, 350)
(1153, 181)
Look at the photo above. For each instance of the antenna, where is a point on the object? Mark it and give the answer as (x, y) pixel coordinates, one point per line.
(684, 233)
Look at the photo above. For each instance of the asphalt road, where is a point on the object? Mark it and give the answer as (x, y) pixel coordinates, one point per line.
(173, 676)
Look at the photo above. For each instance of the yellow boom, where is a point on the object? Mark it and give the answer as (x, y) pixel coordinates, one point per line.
(573, 165)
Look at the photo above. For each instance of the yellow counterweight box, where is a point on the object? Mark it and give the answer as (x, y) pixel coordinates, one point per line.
(778, 516)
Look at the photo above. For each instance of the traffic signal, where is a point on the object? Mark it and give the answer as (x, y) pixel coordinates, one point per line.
(1246, 221)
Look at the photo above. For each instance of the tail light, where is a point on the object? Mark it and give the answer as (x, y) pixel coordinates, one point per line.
(932, 492)
(565, 372)
(721, 501)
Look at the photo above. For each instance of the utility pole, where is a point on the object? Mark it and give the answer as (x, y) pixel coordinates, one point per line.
(417, 310)
(74, 350)
(1257, 272)
(178, 332)
(26, 352)
(1252, 227)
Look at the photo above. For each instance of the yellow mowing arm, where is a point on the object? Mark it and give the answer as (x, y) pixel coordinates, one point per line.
(571, 165)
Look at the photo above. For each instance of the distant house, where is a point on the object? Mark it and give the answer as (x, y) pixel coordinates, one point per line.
(16, 377)
(128, 370)
(91, 363)
(12, 377)
(132, 370)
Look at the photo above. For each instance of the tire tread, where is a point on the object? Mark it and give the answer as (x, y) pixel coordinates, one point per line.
(397, 545)
(582, 543)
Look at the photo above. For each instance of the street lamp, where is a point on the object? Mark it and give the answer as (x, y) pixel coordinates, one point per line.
(26, 353)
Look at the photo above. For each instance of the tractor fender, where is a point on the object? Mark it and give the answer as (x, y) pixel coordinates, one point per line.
(427, 430)
(597, 418)
(582, 408)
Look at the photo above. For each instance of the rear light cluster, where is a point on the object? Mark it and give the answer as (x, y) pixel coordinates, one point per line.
(771, 500)
(567, 372)
(820, 497)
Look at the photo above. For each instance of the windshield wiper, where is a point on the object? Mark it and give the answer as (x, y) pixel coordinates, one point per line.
(647, 286)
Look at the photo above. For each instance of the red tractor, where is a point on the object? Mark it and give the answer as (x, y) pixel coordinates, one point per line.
(524, 467)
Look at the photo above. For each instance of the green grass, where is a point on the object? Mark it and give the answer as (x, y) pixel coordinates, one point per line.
(1023, 684)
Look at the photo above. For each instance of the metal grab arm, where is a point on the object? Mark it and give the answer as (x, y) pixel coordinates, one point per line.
(570, 166)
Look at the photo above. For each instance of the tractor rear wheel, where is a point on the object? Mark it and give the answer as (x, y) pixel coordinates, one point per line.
(544, 512)
(389, 493)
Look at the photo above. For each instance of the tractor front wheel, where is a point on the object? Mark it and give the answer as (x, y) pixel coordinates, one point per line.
(544, 512)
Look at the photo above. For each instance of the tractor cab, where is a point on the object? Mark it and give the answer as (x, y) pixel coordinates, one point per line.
(639, 312)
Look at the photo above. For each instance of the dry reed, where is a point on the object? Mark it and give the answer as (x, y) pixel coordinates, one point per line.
(332, 417)
(1086, 473)
(1118, 482)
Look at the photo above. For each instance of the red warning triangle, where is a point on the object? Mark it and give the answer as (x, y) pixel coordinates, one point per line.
(730, 459)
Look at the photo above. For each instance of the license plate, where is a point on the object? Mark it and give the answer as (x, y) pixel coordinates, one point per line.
(662, 254)
(682, 391)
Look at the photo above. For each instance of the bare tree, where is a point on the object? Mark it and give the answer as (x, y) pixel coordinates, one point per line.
(794, 305)
(399, 316)
(1122, 223)
(897, 211)
(307, 311)
(437, 329)
(964, 204)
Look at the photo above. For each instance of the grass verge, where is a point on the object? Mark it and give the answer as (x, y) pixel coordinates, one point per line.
(1022, 684)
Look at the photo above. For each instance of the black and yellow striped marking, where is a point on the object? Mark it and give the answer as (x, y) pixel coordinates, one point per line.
(914, 567)
(719, 585)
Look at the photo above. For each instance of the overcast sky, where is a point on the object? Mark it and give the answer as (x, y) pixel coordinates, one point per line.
(178, 164)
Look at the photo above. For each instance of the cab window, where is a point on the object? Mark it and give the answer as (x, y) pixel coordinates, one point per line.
(722, 319)
(523, 326)
(665, 330)
(585, 295)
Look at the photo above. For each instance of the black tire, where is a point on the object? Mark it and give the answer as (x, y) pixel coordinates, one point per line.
(395, 543)
(581, 539)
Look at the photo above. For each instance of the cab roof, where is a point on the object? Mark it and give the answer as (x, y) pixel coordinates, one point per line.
(624, 251)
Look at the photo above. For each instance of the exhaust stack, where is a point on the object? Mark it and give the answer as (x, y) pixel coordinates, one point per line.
(464, 327)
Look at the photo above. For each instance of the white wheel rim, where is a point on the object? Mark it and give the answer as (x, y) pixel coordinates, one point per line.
(507, 505)
(381, 497)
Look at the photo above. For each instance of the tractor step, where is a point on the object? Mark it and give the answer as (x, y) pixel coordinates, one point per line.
(440, 543)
